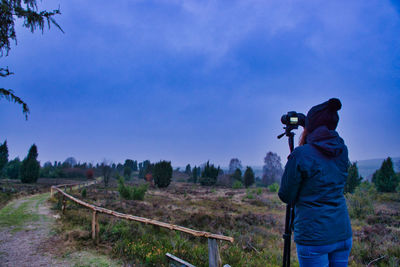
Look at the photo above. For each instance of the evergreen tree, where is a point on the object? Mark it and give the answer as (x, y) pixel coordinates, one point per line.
(209, 174)
(33, 19)
(128, 168)
(385, 179)
(129, 163)
(194, 174)
(353, 178)
(141, 171)
(162, 173)
(3, 156)
(127, 172)
(249, 177)
(30, 166)
(237, 175)
(12, 168)
(135, 166)
(188, 170)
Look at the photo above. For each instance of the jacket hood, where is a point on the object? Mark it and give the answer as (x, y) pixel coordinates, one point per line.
(327, 141)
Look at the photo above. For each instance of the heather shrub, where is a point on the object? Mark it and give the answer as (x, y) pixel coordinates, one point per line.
(131, 192)
(259, 191)
(84, 193)
(237, 185)
(273, 187)
(360, 204)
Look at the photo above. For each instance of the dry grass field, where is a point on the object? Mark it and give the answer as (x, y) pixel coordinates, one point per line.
(254, 217)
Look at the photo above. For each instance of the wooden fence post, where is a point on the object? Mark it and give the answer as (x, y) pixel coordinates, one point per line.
(51, 192)
(95, 227)
(214, 259)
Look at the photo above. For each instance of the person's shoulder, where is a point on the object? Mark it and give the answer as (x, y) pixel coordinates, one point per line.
(300, 152)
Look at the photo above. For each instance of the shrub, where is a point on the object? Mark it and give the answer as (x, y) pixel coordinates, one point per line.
(237, 185)
(162, 173)
(90, 174)
(207, 181)
(237, 175)
(273, 187)
(84, 193)
(249, 194)
(259, 191)
(131, 192)
(360, 203)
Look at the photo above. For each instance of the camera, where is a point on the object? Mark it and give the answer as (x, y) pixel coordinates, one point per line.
(294, 119)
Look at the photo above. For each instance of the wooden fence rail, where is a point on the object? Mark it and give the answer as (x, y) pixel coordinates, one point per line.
(214, 257)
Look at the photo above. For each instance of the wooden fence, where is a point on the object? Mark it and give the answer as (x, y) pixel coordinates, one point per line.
(213, 251)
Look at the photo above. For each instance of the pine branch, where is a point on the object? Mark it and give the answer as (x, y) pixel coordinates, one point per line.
(33, 19)
(4, 72)
(11, 97)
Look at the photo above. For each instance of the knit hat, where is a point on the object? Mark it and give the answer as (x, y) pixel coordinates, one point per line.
(324, 114)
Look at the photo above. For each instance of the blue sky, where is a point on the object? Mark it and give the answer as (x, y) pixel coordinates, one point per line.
(191, 81)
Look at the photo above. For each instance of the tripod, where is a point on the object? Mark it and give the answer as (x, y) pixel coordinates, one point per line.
(287, 236)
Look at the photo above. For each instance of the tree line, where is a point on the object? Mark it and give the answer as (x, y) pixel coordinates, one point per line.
(160, 173)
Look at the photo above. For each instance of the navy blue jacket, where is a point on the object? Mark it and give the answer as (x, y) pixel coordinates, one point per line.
(313, 182)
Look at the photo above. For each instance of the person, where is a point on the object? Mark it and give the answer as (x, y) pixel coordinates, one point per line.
(313, 182)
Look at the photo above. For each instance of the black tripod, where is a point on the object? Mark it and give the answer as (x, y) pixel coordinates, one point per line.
(289, 208)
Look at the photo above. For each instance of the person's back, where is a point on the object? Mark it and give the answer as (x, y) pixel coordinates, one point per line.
(313, 181)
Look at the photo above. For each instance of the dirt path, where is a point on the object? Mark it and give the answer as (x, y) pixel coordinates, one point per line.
(26, 226)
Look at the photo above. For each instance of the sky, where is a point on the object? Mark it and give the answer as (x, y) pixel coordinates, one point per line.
(190, 81)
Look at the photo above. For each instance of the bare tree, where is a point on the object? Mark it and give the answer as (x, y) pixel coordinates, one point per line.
(106, 171)
(234, 164)
(272, 169)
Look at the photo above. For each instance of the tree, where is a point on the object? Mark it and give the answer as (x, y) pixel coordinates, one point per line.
(129, 163)
(70, 162)
(106, 171)
(237, 175)
(128, 168)
(144, 168)
(135, 167)
(188, 170)
(248, 177)
(30, 166)
(33, 19)
(127, 172)
(353, 178)
(209, 174)
(385, 179)
(234, 164)
(12, 168)
(3, 156)
(272, 169)
(162, 173)
(194, 174)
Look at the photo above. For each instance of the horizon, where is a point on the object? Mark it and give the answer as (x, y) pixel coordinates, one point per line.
(189, 82)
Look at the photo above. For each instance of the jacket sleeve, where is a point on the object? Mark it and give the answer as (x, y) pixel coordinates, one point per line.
(291, 180)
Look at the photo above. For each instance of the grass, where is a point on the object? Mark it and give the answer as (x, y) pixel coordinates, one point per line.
(13, 215)
(91, 259)
(254, 217)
